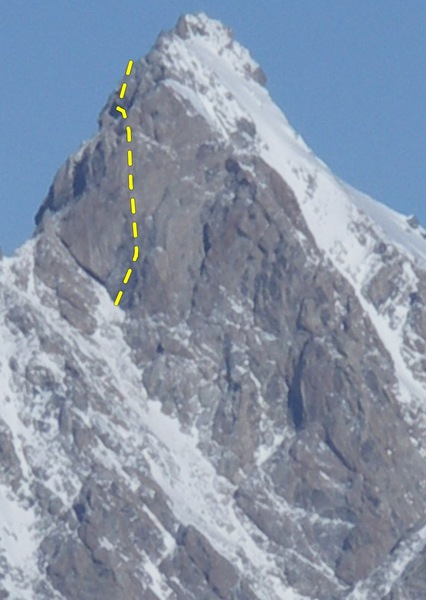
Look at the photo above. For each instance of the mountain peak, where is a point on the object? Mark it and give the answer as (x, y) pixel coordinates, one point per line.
(200, 35)
(199, 24)
(254, 408)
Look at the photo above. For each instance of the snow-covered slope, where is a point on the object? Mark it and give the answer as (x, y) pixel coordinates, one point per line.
(129, 436)
(250, 424)
(349, 227)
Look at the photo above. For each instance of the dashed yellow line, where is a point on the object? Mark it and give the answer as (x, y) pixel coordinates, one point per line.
(127, 275)
(130, 180)
(123, 90)
(118, 298)
(122, 111)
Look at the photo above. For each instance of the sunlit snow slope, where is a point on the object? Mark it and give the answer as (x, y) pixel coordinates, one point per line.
(348, 226)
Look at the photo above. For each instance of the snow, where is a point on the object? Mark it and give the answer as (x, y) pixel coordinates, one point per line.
(346, 226)
(193, 99)
(202, 498)
(152, 440)
(381, 581)
(345, 223)
(393, 225)
(199, 497)
(158, 583)
(18, 545)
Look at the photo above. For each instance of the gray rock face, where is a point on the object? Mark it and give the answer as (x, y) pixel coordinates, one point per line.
(238, 428)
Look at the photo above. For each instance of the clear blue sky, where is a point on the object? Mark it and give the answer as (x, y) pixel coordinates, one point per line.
(349, 75)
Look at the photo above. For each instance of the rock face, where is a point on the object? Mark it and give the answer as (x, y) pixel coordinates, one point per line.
(249, 424)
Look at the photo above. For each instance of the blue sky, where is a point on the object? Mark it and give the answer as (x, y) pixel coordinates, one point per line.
(348, 74)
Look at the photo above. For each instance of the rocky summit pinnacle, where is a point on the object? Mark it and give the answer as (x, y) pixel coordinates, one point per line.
(250, 422)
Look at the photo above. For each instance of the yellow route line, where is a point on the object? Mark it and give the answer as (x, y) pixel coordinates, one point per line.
(122, 111)
(130, 179)
(123, 89)
(118, 298)
(129, 67)
(127, 275)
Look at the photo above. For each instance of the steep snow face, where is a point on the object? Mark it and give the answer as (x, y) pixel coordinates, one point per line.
(360, 236)
(227, 82)
(220, 72)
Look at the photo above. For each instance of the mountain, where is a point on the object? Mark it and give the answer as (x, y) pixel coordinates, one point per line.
(249, 422)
